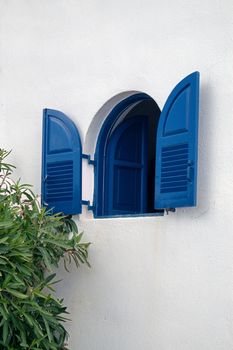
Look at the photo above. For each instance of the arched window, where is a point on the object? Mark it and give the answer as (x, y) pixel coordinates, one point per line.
(126, 158)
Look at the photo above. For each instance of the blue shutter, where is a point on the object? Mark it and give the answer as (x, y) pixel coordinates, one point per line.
(176, 148)
(61, 164)
(126, 168)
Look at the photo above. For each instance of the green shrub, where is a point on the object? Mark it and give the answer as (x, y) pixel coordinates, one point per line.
(32, 242)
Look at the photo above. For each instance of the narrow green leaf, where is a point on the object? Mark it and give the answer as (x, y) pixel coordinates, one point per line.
(46, 258)
(6, 224)
(3, 313)
(48, 329)
(28, 318)
(16, 293)
(58, 243)
(79, 237)
(5, 332)
(50, 278)
(4, 239)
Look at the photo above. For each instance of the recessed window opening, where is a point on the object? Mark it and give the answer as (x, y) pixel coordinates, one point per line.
(125, 154)
(144, 158)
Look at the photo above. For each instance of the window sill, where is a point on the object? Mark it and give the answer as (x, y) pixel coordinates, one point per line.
(129, 215)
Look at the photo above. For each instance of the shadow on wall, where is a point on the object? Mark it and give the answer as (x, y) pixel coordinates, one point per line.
(206, 152)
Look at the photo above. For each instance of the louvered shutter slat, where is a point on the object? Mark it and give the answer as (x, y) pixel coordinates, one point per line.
(176, 147)
(61, 164)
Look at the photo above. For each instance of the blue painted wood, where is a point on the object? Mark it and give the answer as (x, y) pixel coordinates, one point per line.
(176, 147)
(99, 186)
(61, 164)
(126, 168)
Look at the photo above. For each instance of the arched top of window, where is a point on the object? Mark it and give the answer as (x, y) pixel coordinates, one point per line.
(125, 157)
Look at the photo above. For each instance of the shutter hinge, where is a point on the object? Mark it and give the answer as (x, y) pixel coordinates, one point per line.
(88, 157)
(89, 206)
(170, 209)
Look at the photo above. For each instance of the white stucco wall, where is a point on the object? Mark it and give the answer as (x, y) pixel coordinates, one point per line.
(156, 283)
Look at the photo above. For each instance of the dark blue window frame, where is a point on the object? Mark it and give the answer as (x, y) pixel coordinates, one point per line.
(127, 168)
(100, 153)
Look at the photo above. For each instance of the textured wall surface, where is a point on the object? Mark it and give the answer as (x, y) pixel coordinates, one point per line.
(156, 283)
